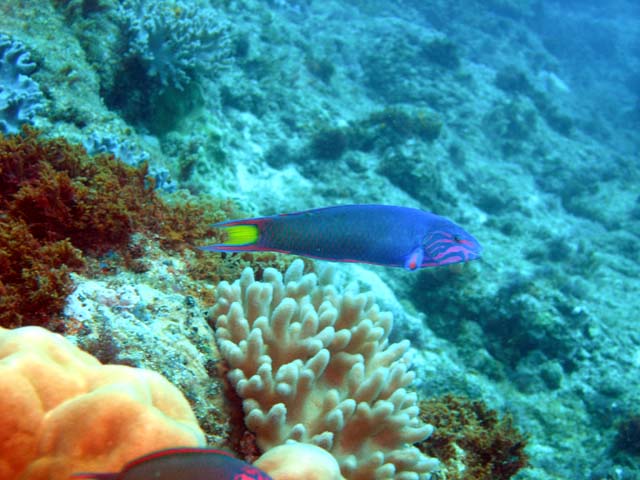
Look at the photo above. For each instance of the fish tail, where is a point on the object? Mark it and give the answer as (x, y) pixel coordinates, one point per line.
(242, 235)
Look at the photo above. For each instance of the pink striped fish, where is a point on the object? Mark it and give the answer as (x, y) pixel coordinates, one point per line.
(378, 234)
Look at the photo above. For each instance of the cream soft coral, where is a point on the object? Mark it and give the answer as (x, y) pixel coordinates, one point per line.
(64, 412)
(294, 460)
(314, 364)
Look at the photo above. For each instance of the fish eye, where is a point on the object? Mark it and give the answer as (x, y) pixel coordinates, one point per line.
(457, 238)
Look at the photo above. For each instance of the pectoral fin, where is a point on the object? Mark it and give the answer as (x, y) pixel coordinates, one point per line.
(414, 259)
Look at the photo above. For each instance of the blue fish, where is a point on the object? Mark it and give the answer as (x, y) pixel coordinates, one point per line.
(182, 464)
(377, 234)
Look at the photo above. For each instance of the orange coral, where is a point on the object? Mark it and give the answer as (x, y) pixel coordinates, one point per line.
(64, 412)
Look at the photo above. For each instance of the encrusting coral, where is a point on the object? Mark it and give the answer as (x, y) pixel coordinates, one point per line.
(314, 365)
(64, 412)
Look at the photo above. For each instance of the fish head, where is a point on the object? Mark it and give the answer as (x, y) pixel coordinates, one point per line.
(447, 244)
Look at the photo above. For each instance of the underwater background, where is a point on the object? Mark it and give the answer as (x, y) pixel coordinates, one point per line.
(130, 126)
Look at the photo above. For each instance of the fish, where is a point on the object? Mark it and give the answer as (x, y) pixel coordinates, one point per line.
(375, 234)
(183, 464)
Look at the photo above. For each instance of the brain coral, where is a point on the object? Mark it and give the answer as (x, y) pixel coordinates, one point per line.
(314, 365)
(64, 412)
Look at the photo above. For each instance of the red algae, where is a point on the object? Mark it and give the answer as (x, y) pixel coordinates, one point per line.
(61, 210)
(471, 440)
(59, 207)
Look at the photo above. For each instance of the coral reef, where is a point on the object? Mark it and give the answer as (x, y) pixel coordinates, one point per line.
(20, 96)
(314, 365)
(530, 138)
(470, 439)
(64, 412)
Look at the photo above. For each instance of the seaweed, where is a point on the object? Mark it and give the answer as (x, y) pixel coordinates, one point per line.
(471, 440)
(62, 193)
(34, 275)
(59, 207)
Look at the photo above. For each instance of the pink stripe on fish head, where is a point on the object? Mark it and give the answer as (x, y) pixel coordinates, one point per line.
(444, 248)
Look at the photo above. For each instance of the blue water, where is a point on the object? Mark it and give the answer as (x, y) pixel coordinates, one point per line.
(518, 120)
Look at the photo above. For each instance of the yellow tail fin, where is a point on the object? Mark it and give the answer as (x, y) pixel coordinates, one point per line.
(241, 234)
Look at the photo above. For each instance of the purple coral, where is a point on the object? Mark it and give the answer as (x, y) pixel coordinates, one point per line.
(175, 41)
(20, 96)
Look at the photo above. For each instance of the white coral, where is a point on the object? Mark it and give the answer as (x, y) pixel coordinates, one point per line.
(315, 365)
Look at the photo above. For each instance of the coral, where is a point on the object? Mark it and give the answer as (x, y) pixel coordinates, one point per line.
(513, 80)
(511, 125)
(20, 96)
(382, 129)
(153, 322)
(315, 365)
(215, 268)
(64, 412)
(174, 40)
(470, 439)
(166, 48)
(419, 176)
(293, 460)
